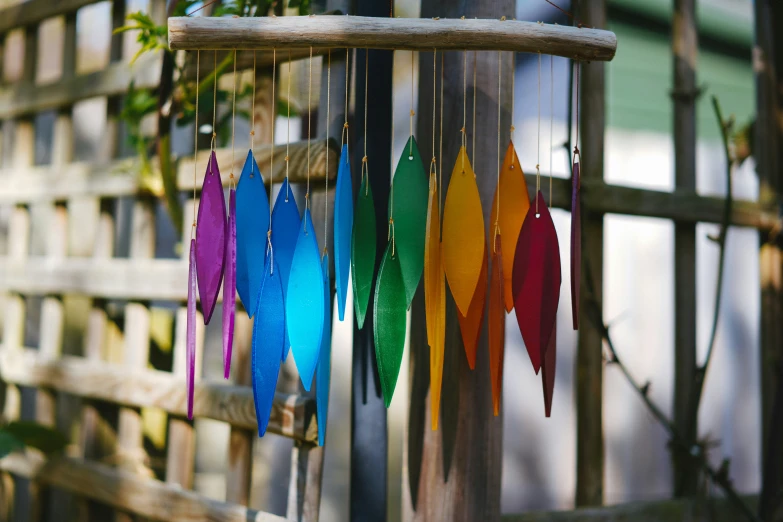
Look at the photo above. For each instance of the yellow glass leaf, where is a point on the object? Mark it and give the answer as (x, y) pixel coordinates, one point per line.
(463, 233)
(434, 298)
(514, 204)
(497, 325)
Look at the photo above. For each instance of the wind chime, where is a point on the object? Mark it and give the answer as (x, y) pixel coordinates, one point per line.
(270, 256)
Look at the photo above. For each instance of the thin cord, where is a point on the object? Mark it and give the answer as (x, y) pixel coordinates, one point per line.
(344, 133)
(410, 149)
(497, 189)
(309, 111)
(440, 151)
(233, 120)
(390, 233)
(253, 108)
(551, 120)
(272, 172)
(328, 121)
(576, 143)
(464, 103)
(473, 132)
(214, 106)
(513, 89)
(365, 166)
(288, 132)
(538, 143)
(434, 98)
(195, 146)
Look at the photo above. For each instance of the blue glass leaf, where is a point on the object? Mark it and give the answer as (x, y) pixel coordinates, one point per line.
(324, 369)
(252, 226)
(343, 227)
(268, 338)
(304, 302)
(285, 231)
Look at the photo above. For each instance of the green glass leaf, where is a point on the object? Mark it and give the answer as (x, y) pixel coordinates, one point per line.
(409, 210)
(363, 245)
(9, 444)
(389, 311)
(35, 435)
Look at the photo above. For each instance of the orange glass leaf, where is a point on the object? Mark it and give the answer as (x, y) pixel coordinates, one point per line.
(514, 204)
(497, 325)
(548, 371)
(470, 324)
(463, 233)
(434, 298)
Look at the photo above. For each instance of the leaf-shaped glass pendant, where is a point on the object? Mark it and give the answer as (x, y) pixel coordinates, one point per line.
(536, 280)
(343, 226)
(496, 324)
(252, 226)
(268, 339)
(389, 311)
(463, 233)
(548, 371)
(434, 299)
(363, 248)
(285, 231)
(190, 337)
(210, 239)
(324, 358)
(470, 324)
(230, 283)
(514, 203)
(576, 243)
(409, 210)
(304, 302)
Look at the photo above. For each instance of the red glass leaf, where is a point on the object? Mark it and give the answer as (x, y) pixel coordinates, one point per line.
(576, 243)
(470, 324)
(548, 373)
(536, 280)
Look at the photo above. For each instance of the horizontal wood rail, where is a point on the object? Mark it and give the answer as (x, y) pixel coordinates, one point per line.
(126, 491)
(292, 415)
(22, 98)
(415, 34)
(122, 178)
(24, 14)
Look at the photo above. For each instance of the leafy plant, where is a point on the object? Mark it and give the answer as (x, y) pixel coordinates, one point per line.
(15, 436)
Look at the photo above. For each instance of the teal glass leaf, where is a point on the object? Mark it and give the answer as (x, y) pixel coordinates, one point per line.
(343, 225)
(324, 358)
(285, 231)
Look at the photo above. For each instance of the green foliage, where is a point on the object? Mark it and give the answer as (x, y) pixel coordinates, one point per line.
(303, 5)
(151, 36)
(16, 435)
(139, 103)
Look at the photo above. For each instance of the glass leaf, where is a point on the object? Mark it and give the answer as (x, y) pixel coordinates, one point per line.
(343, 226)
(470, 324)
(268, 339)
(190, 336)
(434, 298)
(389, 314)
(210, 239)
(410, 186)
(324, 358)
(463, 233)
(285, 231)
(252, 226)
(230, 283)
(304, 302)
(576, 243)
(536, 280)
(363, 247)
(548, 370)
(496, 324)
(514, 203)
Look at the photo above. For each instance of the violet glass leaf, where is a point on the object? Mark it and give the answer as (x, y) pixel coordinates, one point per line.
(389, 313)
(363, 246)
(409, 206)
(536, 280)
(324, 358)
(268, 339)
(190, 337)
(252, 226)
(210, 239)
(576, 243)
(230, 284)
(343, 226)
(304, 302)
(285, 231)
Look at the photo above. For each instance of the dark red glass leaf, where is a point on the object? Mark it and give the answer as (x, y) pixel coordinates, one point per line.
(576, 244)
(548, 374)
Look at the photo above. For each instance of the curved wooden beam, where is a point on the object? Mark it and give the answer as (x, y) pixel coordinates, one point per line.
(415, 34)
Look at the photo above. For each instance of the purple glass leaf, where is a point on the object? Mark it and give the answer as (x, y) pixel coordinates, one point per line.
(230, 283)
(210, 239)
(190, 337)
(576, 243)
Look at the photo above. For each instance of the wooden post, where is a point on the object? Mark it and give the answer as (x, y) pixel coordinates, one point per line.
(768, 64)
(369, 440)
(454, 472)
(684, 94)
(589, 356)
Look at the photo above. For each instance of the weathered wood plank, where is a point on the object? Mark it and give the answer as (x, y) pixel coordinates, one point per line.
(416, 34)
(131, 493)
(34, 11)
(292, 415)
(25, 98)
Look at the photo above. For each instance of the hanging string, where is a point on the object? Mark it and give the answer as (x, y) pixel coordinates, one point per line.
(497, 189)
(410, 149)
(513, 90)
(473, 132)
(288, 132)
(233, 121)
(272, 171)
(576, 143)
(440, 151)
(365, 166)
(464, 103)
(253, 107)
(551, 120)
(390, 233)
(195, 147)
(434, 98)
(344, 133)
(538, 143)
(214, 107)
(309, 111)
(328, 122)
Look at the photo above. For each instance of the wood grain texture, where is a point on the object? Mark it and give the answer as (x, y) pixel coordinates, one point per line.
(148, 498)
(35, 11)
(416, 34)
